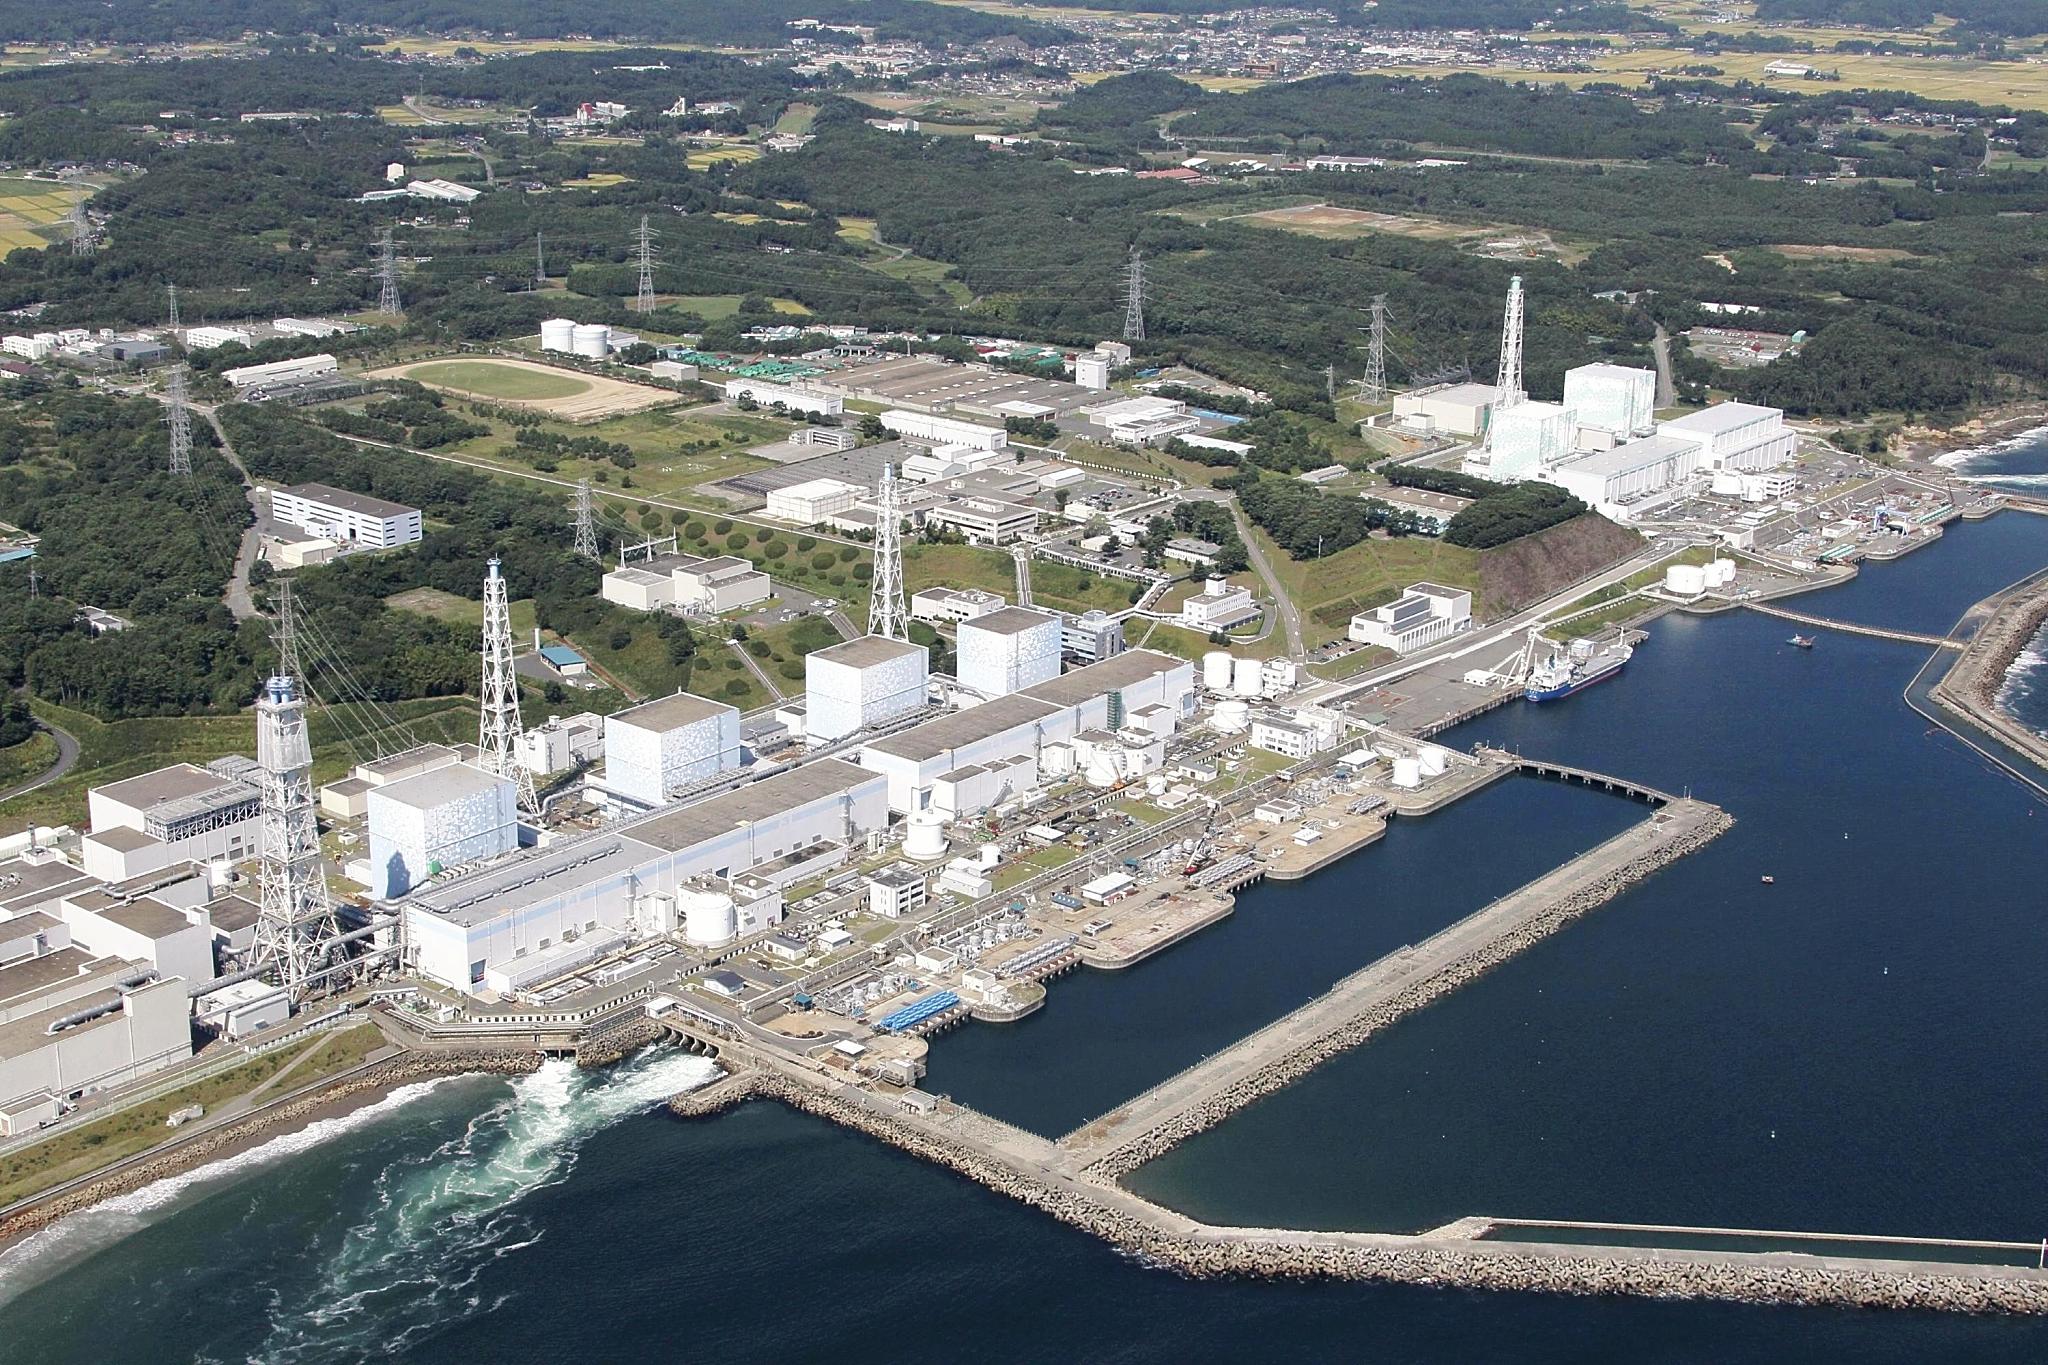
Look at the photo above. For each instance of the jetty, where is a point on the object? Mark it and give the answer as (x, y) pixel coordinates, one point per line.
(1584, 777)
(1911, 637)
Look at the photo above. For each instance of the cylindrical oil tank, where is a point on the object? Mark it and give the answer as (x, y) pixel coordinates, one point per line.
(925, 838)
(709, 917)
(1233, 717)
(1216, 670)
(1720, 573)
(592, 340)
(1104, 770)
(1433, 760)
(1247, 678)
(1408, 771)
(558, 334)
(1685, 580)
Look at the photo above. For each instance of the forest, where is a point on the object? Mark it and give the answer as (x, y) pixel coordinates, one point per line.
(2012, 18)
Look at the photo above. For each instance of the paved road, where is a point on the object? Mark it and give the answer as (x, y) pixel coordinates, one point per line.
(1290, 615)
(1022, 554)
(754, 667)
(241, 603)
(67, 757)
(1667, 389)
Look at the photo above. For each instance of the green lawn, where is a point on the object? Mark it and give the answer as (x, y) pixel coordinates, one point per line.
(488, 380)
(460, 611)
(1331, 590)
(1072, 589)
(960, 566)
(141, 1126)
(25, 760)
(674, 452)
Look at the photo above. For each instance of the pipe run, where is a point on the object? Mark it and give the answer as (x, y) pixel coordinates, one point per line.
(77, 1017)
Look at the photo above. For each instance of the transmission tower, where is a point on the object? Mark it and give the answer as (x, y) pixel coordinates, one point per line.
(540, 260)
(1509, 381)
(295, 923)
(180, 417)
(643, 245)
(35, 583)
(887, 614)
(387, 277)
(1375, 389)
(1134, 298)
(174, 305)
(586, 524)
(498, 735)
(81, 229)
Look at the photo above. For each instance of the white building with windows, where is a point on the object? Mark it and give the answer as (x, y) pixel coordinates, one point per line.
(896, 891)
(784, 396)
(985, 521)
(1009, 650)
(655, 749)
(863, 682)
(563, 742)
(1220, 605)
(177, 814)
(954, 604)
(1092, 636)
(1739, 436)
(353, 518)
(1616, 482)
(1421, 616)
(440, 819)
(688, 582)
(304, 367)
(1301, 733)
(810, 502)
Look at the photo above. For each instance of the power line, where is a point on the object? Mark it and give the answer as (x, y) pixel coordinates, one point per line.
(1375, 387)
(586, 526)
(887, 615)
(173, 288)
(499, 726)
(81, 228)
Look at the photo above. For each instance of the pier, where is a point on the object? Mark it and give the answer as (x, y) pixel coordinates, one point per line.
(1911, 637)
(1584, 777)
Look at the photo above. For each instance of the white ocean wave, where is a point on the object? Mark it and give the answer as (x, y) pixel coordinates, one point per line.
(2025, 683)
(36, 1257)
(1963, 459)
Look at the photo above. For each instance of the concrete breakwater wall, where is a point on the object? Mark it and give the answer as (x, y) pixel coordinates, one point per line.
(1971, 685)
(401, 1070)
(1178, 1243)
(1488, 952)
(616, 1044)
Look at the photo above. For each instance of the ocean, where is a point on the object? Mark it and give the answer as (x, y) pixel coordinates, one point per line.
(1851, 1049)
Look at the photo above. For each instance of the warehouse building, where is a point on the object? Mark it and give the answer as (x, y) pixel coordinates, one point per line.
(1009, 650)
(944, 431)
(183, 813)
(349, 797)
(1421, 616)
(305, 367)
(1614, 482)
(658, 748)
(1437, 509)
(351, 518)
(423, 825)
(784, 396)
(864, 682)
(1447, 409)
(687, 582)
(1615, 399)
(212, 338)
(808, 503)
(1028, 723)
(1739, 436)
(626, 876)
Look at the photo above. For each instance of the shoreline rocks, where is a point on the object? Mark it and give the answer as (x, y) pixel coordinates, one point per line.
(1972, 683)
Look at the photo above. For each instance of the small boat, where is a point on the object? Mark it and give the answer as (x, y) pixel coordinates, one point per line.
(1769, 880)
(1801, 642)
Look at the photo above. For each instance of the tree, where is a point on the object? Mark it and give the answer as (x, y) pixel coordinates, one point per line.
(871, 428)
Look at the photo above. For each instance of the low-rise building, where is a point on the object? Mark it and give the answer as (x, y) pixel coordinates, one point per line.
(74, 1022)
(1421, 616)
(1220, 605)
(810, 502)
(340, 515)
(1447, 409)
(896, 891)
(953, 604)
(561, 743)
(687, 582)
(182, 813)
(1092, 636)
(1740, 436)
(935, 431)
(784, 396)
(985, 521)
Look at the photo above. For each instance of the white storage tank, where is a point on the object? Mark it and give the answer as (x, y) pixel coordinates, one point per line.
(1104, 770)
(1720, 573)
(1248, 678)
(709, 917)
(1233, 717)
(1685, 580)
(1408, 772)
(558, 334)
(925, 839)
(1434, 760)
(592, 340)
(1216, 670)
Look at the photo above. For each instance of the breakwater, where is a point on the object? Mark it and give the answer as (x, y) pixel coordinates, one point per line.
(380, 1076)
(1370, 1000)
(1170, 1240)
(1971, 685)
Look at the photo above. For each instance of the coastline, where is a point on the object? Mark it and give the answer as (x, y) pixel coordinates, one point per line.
(1972, 684)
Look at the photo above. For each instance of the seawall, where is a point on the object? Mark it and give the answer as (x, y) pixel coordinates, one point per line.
(1971, 685)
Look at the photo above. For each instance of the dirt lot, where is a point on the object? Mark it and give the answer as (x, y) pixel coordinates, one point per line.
(1324, 220)
(528, 384)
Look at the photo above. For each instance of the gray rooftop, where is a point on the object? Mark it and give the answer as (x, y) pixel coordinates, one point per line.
(51, 969)
(361, 503)
(1720, 417)
(122, 839)
(867, 650)
(935, 737)
(165, 784)
(438, 787)
(1632, 455)
(1100, 679)
(682, 827)
(24, 883)
(1010, 621)
(671, 713)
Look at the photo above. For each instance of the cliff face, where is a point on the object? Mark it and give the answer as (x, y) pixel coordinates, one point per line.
(1533, 567)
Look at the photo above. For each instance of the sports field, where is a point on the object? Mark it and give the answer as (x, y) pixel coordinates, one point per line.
(528, 384)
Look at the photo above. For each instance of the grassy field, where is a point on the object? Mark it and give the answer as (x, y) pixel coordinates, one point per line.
(599, 180)
(460, 611)
(796, 120)
(20, 762)
(1072, 589)
(487, 380)
(141, 1126)
(1331, 590)
(704, 158)
(960, 566)
(676, 452)
(714, 307)
(898, 263)
(780, 649)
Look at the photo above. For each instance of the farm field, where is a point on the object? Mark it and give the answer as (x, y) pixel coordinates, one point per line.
(528, 384)
(704, 158)
(32, 210)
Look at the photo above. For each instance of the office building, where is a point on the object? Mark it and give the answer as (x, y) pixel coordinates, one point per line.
(351, 518)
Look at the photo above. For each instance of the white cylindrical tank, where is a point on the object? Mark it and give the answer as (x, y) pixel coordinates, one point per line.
(709, 917)
(592, 340)
(925, 839)
(1248, 678)
(1720, 573)
(1105, 769)
(1408, 771)
(558, 334)
(1685, 580)
(1233, 717)
(1216, 670)
(1433, 760)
